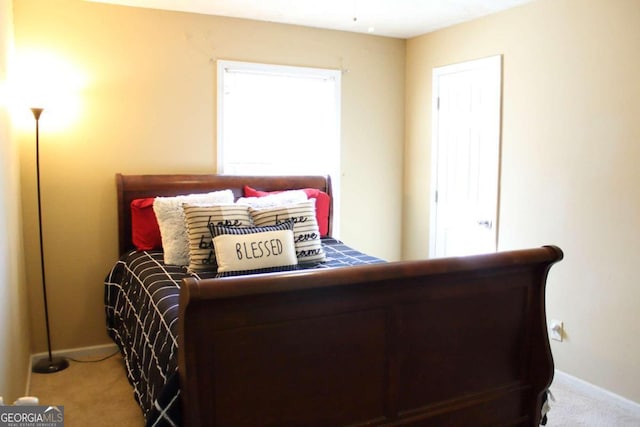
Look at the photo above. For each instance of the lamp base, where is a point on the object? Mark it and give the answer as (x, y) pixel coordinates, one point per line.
(46, 366)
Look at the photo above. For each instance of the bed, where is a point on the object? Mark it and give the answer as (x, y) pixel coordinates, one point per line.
(352, 340)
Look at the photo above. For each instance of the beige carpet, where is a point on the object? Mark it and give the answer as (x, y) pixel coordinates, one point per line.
(574, 407)
(93, 394)
(98, 394)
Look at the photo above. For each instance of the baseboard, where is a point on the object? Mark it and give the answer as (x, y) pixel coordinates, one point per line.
(596, 392)
(81, 353)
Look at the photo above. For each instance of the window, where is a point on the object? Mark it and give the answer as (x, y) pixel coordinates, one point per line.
(279, 120)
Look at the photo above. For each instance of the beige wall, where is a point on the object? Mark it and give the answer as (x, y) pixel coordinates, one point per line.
(14, 319)
(149, 105)
(570, 175)
(569, 152)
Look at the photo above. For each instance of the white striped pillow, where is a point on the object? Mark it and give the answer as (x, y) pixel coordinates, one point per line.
(274, 200)
(306, 234)
(200, 221)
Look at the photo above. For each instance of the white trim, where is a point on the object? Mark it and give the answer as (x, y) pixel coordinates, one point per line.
(81, 353)
(88, 353)
(434, 162)
(598, 393)
(229, 66)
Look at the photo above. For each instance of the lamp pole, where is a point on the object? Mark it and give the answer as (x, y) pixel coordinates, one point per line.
(51, 364)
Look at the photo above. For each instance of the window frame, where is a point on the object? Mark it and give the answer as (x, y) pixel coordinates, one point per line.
(285, 70)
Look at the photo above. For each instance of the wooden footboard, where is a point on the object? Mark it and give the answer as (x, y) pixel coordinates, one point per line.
(443, 342)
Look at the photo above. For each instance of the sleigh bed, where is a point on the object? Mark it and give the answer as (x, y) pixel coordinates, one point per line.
(351, 340)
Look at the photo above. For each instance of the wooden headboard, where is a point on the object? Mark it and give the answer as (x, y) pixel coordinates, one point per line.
(131, 187)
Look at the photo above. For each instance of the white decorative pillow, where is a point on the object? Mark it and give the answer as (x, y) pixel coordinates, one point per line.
(306, 233)
(273, 200)
(254, 249)
(200, 220)
(173, 230)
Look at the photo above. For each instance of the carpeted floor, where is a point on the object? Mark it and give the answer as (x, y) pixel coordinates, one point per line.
(98, 394)
(574, 408)
(93, 394)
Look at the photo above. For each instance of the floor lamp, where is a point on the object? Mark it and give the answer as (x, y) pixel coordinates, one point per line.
(51, 364)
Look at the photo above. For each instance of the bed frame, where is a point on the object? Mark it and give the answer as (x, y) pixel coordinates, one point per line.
(441, 342)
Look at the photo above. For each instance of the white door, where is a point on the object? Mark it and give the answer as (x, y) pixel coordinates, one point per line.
(465, 157)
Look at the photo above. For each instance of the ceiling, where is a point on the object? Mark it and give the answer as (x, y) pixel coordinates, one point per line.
(390, 18)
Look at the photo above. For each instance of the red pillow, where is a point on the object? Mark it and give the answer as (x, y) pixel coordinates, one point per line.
(145, 232)
(323, 202)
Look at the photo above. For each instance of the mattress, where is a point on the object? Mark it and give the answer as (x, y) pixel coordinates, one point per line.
(141, 305)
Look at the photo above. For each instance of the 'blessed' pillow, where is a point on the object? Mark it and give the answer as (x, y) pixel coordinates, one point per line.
(173, 230)
(200, 221)
(305, 227)
(254, 249)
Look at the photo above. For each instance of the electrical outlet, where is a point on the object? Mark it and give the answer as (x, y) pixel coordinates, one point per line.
(556, 330)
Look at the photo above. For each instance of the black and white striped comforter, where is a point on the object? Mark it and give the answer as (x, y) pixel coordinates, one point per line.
(141, 303)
